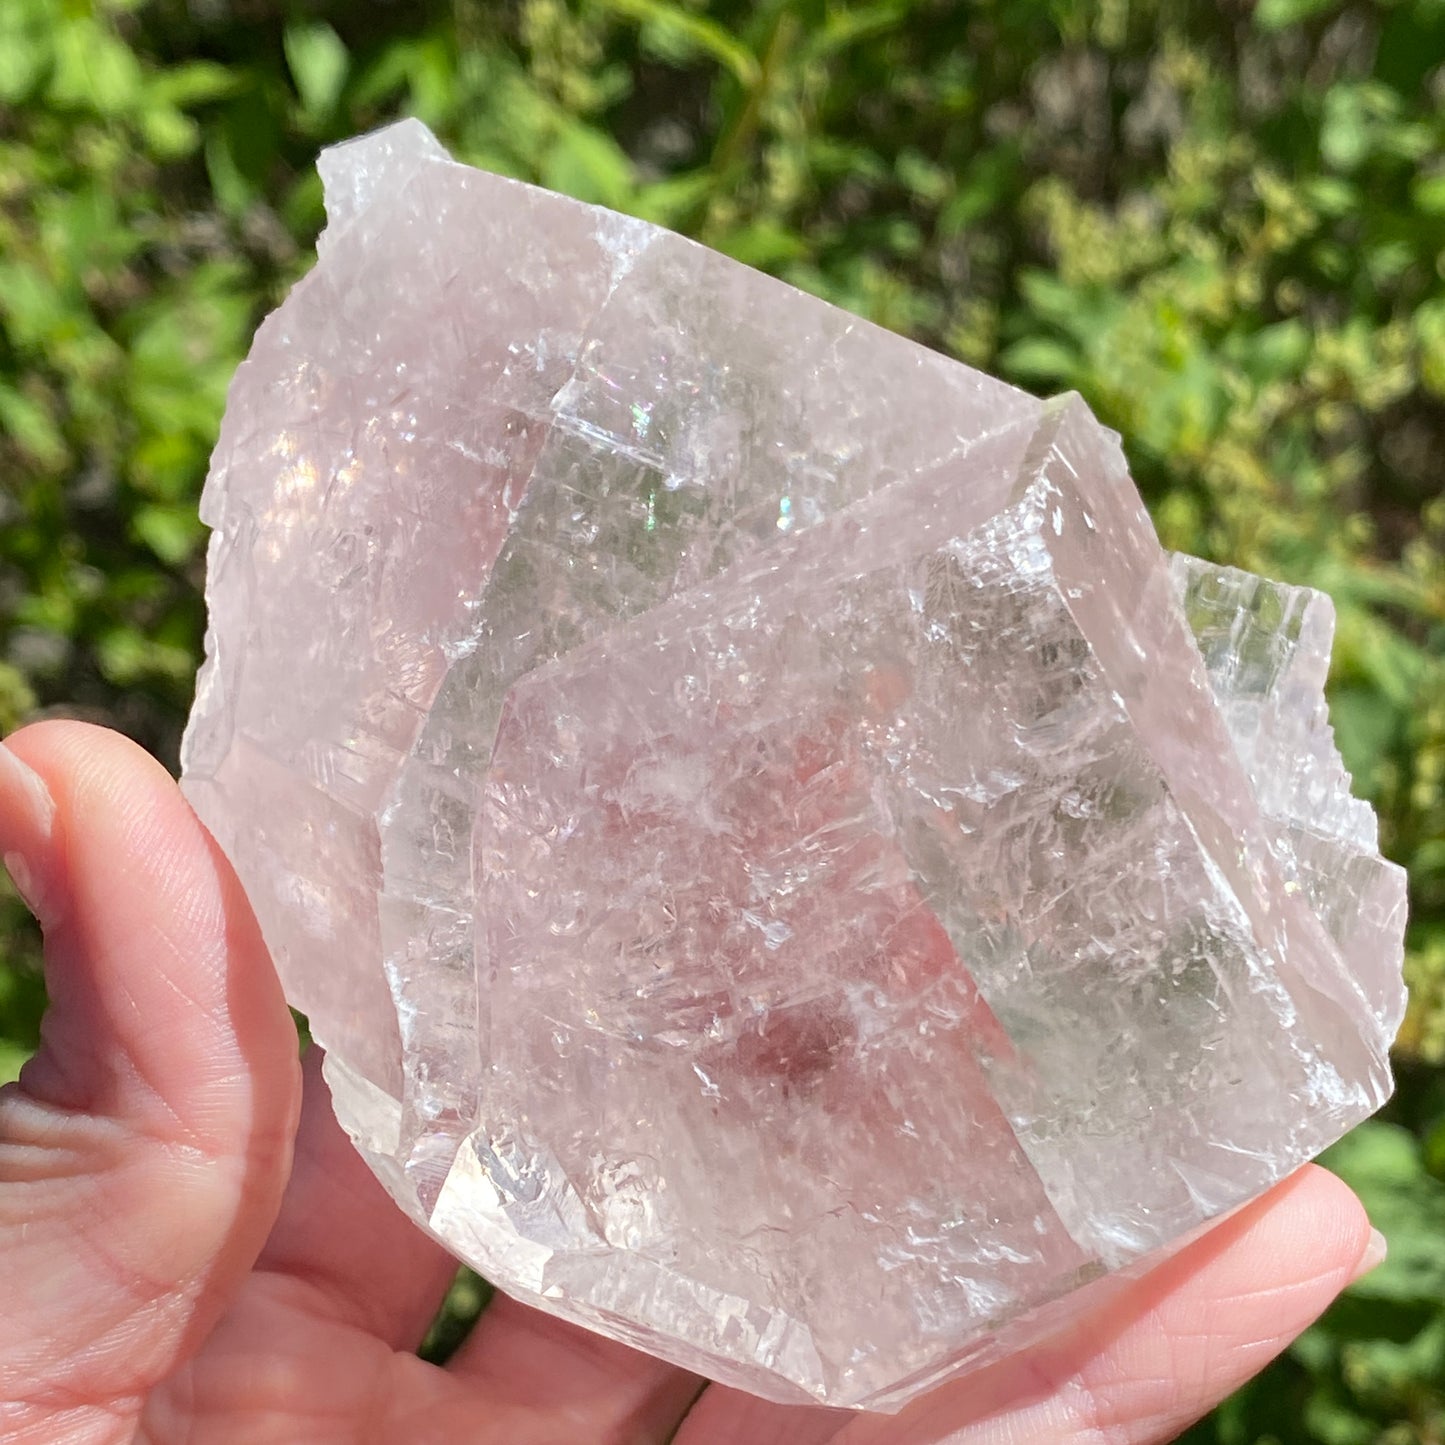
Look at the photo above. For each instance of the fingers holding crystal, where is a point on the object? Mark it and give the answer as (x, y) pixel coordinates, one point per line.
(339, 1231)
(1136, 1369)
(1169, 1347)
(723, 1414)
(144, 1150)
(521, 1358)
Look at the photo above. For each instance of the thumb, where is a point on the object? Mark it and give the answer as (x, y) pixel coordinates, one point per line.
(144, 1150)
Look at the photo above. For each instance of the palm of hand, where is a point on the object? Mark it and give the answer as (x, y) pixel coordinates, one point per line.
(192, 1251)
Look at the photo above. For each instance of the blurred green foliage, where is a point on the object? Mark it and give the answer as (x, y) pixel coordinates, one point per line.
(1224, 224)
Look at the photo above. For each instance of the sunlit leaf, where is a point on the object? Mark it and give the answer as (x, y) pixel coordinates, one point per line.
(1383, 1164)
(172, 533)
(1041, 360)
(1277, 14)
(588, 165)
(688, 33)
(319, 63)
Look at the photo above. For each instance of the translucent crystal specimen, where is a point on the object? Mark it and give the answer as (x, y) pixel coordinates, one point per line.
(787, 871)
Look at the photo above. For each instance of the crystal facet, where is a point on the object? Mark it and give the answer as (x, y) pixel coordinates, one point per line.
(788, 873)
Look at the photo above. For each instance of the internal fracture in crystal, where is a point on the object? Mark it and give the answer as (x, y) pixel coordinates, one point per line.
(786, 870)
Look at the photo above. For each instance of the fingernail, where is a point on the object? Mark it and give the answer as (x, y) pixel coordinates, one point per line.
(21, 787)
(1376, 1248)
(27, 817)
(24, 880)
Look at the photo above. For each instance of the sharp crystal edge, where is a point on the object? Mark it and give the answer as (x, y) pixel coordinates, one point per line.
(788, 873)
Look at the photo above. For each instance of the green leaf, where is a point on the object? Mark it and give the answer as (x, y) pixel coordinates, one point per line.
(385, 76)
(1331, 1420)
(128, 657)
(763, 244)
(304, 206)
(1279, 14)
(26, 50)
(1382, 1163)
(17, 698)
(169, 133)
(1428, 194)
(922, 177)
(465, 1301)
(319, 62)
(668, 201)
(980, 191)
(1332, 195)
(1278, 351)
(31, 427)
(435, 94)
(1050, 298)
(584, 163)
(1365, 730)
(844, 28)
(186, 86)
(1041, 360)
(94, 70)
(233, 192)
(12, 1059)
(684, 33)
(1356, 118)
(173, 533)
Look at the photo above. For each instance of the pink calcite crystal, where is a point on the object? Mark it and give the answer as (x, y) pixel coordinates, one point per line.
(786, 870)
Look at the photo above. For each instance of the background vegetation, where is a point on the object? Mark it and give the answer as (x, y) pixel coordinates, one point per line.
(1222, 222)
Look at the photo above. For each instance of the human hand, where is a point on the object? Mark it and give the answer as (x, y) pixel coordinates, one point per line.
(191, 1251)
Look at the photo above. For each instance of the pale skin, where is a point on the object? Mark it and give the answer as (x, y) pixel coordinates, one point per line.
(191, 1252)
